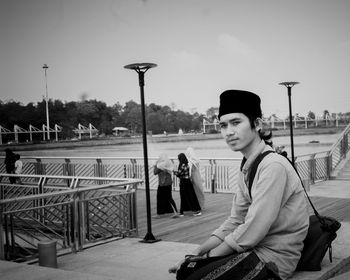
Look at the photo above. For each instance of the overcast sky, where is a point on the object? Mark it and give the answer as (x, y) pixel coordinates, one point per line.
(202, 47)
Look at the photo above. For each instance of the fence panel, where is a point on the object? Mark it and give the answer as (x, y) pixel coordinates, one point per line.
(73, 217)
(219, 175)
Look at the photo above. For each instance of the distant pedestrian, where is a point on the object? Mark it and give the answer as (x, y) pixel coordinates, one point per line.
(165, 202)
(189, 201)
(10, 164)
(195, 175)
(18, 168)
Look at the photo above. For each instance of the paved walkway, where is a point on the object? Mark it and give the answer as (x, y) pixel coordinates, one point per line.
(129, 259)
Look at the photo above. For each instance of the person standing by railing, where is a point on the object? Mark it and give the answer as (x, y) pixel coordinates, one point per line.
(10, 160)
(189, 201)
(195, 175)
(165, 202)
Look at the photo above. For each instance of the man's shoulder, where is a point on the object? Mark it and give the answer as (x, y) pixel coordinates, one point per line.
(276, 159)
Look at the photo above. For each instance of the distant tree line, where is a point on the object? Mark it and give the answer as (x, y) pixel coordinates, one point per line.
(68, 115)
(103, 117)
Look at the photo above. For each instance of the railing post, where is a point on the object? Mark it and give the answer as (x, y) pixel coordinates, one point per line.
(80, 222)
(312, 167)
(41, 202)
(344, 145)
(133, 224)
(133, 167)
(329, 167)
(74, 223)
(213, 175)
(7, 240)
(2, 237)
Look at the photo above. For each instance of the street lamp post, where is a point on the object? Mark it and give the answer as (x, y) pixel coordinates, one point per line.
(289, 86)
(141, 69)
(45, 67)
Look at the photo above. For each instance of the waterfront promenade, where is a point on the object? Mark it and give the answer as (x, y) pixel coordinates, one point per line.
(129, 259)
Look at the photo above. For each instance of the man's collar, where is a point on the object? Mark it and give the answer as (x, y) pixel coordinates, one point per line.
(246, 163)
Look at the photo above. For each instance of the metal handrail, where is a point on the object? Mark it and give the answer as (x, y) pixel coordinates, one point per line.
(67, 192)
(344, 133)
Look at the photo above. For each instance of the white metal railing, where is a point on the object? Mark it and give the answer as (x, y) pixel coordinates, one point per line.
(219, 174)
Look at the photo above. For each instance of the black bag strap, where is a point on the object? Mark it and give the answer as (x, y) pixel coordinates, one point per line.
(254, 168)
(308, 197)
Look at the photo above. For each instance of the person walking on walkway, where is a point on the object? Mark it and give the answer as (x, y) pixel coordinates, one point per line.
(165, 203)
(189, 201)
(195, 175)
(263, 236)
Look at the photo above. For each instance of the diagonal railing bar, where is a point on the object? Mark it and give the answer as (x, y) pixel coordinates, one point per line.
(53, 216)
(29, 208)
(39, 229)
(49, 221)
(23, 248)
(28, 234)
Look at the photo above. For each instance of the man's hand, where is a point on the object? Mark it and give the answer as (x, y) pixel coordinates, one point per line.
(175, 267)
(222, 250)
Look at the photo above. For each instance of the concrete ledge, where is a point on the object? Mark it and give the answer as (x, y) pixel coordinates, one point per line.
(19, 271)
(129, 259)
(328, 270)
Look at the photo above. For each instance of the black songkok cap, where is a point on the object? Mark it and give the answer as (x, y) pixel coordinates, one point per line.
(239, 101)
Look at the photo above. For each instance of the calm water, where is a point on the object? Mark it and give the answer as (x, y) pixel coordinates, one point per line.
(206, 148)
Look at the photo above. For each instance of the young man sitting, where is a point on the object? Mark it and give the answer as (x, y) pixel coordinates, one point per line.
(263, 236)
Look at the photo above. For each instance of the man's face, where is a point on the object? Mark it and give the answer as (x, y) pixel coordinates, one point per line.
(237, 132)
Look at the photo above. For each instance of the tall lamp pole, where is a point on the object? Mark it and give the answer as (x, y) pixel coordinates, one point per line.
(141, 69)
(289, 86)
(45, 67)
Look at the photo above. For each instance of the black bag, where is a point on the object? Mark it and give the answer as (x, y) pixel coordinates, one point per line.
(321, 233)
(322, 230)
(192, 264)
(242, 266)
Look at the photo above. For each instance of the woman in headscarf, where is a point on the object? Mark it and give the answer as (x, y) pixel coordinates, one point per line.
(195, 175)
(10, 160)
(189, 201)
(165, 202)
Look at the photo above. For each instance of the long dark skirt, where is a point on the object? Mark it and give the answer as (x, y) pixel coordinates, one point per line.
(245, 266)
(189, 201)
(165, 201)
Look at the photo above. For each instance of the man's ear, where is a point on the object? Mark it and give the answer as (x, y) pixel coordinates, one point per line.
(258, 124)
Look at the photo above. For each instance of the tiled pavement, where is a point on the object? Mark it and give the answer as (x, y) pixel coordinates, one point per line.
(129, 259)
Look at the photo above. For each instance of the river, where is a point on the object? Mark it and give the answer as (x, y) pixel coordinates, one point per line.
(214, 148)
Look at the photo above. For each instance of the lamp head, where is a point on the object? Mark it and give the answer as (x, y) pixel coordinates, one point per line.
(140, 66)
(289, 84)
